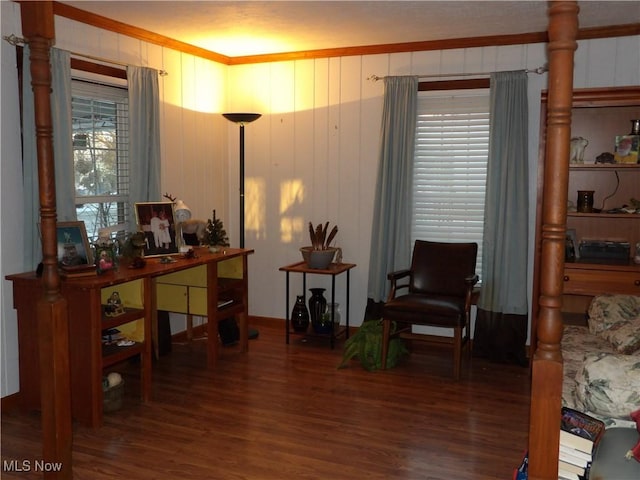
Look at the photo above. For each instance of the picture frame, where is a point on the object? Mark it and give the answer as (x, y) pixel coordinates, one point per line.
(157, 220)
(74, 249)
(627, 148)
(105, 258)
(572, 251)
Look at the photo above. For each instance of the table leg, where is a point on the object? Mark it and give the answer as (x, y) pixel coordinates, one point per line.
(332, 337)
(287, 312)
(347, 309)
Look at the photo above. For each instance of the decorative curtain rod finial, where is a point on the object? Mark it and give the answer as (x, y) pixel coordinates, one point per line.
(540, 70)
(14, 40)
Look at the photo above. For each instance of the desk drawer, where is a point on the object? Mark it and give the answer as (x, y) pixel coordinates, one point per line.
(597, 282)
(182, 299)
(172, 298)
(198, 301)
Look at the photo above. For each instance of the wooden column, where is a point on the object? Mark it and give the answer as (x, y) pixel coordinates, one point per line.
(547, 372)
(53, 325)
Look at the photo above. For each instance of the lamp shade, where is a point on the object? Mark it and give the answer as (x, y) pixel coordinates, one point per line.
(183, 213)
(242, 117)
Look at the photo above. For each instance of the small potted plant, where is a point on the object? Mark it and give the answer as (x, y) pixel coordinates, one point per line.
(320, 254)
(215, 234)
(366, 346)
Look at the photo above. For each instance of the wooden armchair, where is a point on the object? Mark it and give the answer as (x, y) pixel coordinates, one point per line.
(439, 287)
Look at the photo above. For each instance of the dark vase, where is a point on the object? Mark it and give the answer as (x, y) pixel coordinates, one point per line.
(300, 315)
(320, 322)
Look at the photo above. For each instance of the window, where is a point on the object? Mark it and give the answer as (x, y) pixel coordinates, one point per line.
(100, 122)
(450, 167)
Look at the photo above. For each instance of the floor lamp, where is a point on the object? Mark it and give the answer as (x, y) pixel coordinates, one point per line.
(241, 119)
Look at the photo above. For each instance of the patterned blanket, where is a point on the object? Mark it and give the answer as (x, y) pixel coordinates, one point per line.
(598, 378)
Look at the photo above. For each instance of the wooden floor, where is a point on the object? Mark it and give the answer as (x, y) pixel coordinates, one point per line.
(286, 412)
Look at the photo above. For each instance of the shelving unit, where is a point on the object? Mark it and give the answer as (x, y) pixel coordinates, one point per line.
(204, 280)
(599, 115)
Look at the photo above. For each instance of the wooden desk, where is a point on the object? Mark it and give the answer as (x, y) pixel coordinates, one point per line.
(217, 276)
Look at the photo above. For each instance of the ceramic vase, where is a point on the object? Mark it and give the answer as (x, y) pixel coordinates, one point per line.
(317, 309)
(585, 201)
(300, 315)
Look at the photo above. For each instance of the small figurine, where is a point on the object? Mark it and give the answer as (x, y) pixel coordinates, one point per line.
(578, 145)
(105, 252)
(114, 306)
(605, 157)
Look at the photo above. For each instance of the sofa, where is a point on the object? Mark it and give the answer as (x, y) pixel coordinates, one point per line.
(602, 360)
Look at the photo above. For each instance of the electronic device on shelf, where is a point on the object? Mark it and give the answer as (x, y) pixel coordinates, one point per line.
(604, 251)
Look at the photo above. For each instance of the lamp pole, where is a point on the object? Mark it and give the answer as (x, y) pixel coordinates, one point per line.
(241, 119)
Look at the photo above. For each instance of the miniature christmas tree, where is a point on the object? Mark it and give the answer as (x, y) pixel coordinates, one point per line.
(216, 235)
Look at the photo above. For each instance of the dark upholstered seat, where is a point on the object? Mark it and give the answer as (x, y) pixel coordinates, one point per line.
(439, 287)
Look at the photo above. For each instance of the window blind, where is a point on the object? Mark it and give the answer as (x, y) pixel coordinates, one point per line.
(100, 120)
(450, 167)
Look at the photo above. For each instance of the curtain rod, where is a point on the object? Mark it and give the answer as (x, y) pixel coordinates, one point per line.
(539, 71)
(14, 40)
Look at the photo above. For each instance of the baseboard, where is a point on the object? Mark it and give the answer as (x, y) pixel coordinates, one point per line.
(200, 331)
(10, 402)
(272, 322)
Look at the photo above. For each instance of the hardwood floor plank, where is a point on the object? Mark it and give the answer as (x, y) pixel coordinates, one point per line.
(286, 411)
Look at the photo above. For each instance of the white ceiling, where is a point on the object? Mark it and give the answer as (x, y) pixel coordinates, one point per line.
(239, 28)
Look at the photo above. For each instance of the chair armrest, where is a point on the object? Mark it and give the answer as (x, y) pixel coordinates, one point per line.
(394, 277)
(397, 275)
(471, 281)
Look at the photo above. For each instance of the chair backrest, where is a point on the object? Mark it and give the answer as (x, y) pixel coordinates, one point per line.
(440, 268)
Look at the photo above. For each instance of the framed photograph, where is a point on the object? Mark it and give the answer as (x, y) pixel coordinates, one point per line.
(572, 251)
(105, 258)
(157, 220)
(73, 245)
(627, 147)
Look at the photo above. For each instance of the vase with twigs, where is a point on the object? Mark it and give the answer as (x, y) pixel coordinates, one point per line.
(320, 253)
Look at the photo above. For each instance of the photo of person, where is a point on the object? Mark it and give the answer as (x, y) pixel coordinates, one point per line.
(627, 147)
(157, 221)
(73, 245)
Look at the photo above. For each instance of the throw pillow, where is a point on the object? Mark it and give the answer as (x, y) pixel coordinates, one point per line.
(607, 310)
(624, 336)
(609, 384)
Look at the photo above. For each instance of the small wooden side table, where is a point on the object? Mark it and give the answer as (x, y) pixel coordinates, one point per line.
(334, 270)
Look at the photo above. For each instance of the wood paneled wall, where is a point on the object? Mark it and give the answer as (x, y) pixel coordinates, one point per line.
(313, 155)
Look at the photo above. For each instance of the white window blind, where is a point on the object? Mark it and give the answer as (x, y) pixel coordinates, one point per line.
(450, 169)
(100, 121)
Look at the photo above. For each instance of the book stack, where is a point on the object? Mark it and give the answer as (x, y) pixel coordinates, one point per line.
(579, 435)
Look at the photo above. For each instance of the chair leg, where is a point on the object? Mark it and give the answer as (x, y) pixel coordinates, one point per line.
(457, 352)
(386, 331)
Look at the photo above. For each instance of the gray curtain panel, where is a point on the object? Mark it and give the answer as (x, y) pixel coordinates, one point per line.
(62, 152)
(144, 136)
(501, 324)
(391, 230)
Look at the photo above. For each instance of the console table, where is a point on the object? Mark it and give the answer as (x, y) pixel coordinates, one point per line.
(188, 285)
(334, 270)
